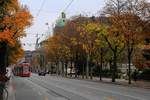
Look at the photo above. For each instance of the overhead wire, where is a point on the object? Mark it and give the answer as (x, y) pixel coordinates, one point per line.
(68, 6)
(38, 13)
(40, 9)
(42, 5)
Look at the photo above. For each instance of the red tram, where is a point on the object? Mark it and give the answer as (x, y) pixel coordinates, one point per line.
(22, 70)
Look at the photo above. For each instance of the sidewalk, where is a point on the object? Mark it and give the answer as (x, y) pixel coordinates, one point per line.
(139, 83)
(11, 90)
(123, 82)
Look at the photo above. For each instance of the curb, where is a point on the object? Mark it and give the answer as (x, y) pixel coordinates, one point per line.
(118, 83)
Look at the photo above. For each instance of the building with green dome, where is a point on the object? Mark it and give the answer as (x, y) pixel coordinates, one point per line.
(60, 23)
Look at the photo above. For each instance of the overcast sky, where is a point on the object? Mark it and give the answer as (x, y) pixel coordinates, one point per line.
(47, 11)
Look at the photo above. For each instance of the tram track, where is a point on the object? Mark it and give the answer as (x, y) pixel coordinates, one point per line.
(56, 90)
(50, 91)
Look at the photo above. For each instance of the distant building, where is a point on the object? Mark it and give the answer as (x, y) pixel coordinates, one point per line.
(60, 23)
(28, 56)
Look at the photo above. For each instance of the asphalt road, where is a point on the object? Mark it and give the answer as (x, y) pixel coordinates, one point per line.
(58, 88)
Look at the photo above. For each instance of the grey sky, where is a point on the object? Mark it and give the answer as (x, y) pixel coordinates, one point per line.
(50, 11)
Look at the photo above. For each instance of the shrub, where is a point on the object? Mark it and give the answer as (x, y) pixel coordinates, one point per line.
(145, 74)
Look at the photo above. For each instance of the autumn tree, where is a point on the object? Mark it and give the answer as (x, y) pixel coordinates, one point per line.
(131, 18)
(15, 53)
(92, 42)
(74, 42)
(53, 51)
(68, 45)
(14, 18)
(115, 42)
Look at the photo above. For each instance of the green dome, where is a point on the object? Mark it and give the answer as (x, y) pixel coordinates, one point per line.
(60, 22)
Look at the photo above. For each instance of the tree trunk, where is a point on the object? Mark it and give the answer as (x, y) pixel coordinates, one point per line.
(76, 64)
(129, 66)
(129, 63)
(57, 69)
(3, 58)
(114, 67)
(71, 67)
(3, 64)
(66, 67)
(76, 68)
(83, 71)
(87, 66)
(100, 72)
(91, 70)
(62, 68)
(101, 62)
(51, 68)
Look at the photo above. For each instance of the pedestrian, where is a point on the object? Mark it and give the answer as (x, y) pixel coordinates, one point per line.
(135, 75)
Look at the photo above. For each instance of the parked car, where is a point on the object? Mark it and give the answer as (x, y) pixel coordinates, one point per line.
(42, 73)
